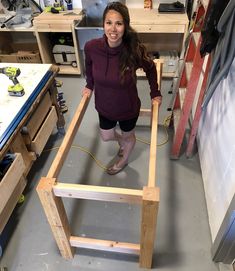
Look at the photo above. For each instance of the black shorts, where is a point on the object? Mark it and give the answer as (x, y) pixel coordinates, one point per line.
(125, 125)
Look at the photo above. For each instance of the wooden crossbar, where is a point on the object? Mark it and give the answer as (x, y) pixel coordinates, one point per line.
(105, 245)
(102, 193)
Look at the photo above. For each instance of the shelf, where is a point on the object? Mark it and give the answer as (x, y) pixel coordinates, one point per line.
(67, 69)
(30, 29)
(46, 24)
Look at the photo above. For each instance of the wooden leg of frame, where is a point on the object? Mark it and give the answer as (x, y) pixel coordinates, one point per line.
(148, 225)
(56, 216)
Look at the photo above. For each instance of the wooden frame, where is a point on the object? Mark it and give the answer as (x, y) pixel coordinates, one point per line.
(50, 192)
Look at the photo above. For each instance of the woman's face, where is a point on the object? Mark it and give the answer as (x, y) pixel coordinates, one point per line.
(114, 28)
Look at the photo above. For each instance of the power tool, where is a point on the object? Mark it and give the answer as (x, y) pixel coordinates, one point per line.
(12, 73)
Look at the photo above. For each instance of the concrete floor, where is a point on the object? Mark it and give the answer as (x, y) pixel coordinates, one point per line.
(183, 238)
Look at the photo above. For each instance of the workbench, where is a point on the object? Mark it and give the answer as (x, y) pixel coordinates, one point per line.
(26, 123)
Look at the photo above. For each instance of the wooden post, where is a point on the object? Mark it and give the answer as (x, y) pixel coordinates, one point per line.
(148, 225)
(56, 216)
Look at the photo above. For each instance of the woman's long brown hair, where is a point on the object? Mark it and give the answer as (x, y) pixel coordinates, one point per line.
(134, 51)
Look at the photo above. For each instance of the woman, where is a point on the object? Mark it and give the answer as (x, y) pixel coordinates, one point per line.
(111, 63)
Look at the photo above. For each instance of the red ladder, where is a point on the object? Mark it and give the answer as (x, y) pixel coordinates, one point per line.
(193, 68)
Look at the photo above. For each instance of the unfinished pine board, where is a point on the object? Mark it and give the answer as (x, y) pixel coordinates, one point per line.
(102, 193)
(151, 21)
(45, 46)
(148, 225)
(165, 23)
(49, 22)
(105, 245)
(57, 218)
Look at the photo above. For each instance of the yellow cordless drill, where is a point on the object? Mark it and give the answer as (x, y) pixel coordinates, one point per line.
(12, 73)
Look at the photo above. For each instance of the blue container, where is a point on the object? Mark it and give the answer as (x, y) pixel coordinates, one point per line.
(69, 6)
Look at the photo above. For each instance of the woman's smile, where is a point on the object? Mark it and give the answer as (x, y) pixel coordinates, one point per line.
(114, 28)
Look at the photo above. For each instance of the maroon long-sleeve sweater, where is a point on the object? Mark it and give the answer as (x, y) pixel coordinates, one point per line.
(114, 99)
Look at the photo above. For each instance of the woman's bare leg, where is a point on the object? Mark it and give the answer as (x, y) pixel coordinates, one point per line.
(113, 135)
(128, 140)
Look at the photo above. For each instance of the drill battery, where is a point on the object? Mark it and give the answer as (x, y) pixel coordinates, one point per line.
(12, 73)
(16, 90)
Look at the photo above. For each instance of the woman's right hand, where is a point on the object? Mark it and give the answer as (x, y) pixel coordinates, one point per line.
(86, 91)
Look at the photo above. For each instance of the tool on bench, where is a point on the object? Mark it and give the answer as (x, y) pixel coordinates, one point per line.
(12, 73)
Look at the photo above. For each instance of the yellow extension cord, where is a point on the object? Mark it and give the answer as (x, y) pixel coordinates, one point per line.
(165, 124)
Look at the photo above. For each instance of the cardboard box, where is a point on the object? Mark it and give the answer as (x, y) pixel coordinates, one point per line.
(18, 54)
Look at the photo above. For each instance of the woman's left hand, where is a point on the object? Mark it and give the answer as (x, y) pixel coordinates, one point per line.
(157, 99)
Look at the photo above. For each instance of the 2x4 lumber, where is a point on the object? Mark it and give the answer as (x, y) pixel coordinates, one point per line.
(56, 216)
(100, 193)
(153, 146)
(68, 139)
(148, 225)
(105, 245)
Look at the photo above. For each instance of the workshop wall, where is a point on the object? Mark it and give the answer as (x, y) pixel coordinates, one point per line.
(131, 3)
(217, 150)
